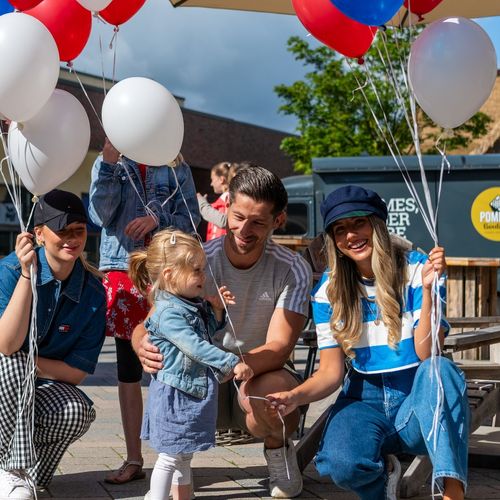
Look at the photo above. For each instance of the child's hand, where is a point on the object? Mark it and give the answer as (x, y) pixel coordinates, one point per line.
(216, 301)
(282, 402)
(436, 263)
(242, 371)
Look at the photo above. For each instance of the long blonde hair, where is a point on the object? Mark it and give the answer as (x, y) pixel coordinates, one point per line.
(169, 248)
(344, 289)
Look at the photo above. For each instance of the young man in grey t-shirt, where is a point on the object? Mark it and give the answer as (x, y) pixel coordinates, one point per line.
(271, 285)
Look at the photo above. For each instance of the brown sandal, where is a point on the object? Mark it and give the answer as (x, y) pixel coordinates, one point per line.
(121, 477)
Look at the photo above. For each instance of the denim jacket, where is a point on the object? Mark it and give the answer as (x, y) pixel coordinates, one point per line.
(114, 203)
(178, 330)
(70, 316)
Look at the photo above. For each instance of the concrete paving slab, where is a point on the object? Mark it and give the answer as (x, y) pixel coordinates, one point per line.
(226, 473)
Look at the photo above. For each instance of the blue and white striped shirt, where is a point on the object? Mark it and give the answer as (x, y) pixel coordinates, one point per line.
(372, 352)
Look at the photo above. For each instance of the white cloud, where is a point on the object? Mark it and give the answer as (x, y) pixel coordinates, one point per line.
(222, 62)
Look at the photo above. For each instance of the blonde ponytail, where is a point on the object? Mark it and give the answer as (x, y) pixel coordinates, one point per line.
(138, 272)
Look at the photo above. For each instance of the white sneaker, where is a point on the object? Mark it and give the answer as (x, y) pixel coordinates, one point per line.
(392, 485)
(280, 484)
(15, 484)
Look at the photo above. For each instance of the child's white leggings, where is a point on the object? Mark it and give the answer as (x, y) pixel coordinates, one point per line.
(168, 470)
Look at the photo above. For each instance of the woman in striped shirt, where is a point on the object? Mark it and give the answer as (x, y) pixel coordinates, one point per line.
(373, 310)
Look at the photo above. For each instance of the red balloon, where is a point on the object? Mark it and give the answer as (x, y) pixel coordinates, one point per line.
(24, 4)
(120, 11)
(339, 32)
(68, 22)
(421, 7)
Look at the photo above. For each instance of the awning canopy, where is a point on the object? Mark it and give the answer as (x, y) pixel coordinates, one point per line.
(447, 8)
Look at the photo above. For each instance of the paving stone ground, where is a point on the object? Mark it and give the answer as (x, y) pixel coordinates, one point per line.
(229, 473)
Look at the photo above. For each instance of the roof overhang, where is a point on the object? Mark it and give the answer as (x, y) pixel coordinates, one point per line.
(447, 8)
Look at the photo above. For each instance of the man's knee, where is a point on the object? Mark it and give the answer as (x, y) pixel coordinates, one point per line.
(260, 421)
(275, 381)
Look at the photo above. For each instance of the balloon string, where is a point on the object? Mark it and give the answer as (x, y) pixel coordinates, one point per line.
(148, 210)
(394, 150)
(101, 53)
(113, 45)
(260, 398)
(84, 90)
(229, 320)
(429, 215)
(217, 287)
(26, 393)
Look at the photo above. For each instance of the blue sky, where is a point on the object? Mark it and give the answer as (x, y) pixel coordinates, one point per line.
(222, 62)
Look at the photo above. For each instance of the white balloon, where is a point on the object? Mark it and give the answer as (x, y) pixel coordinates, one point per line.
(94, 5)
(50, 147)
(29, 65)
(452, 69)
(143, 121)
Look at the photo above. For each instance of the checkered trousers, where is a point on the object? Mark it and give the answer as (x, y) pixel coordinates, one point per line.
(62, 414)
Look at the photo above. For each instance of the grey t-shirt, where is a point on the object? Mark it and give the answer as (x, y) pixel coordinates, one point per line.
(279, 279)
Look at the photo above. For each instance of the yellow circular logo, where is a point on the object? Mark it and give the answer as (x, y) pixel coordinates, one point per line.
(485, 213)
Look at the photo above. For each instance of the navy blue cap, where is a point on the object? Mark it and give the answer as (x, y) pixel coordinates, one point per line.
(352, 201)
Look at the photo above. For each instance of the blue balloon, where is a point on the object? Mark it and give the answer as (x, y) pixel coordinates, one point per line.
(5, 7)
(369, 12)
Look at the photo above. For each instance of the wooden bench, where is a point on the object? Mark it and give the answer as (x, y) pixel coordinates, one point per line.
(484, 403)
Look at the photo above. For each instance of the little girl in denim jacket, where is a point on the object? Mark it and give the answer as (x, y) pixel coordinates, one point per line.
(181, 411)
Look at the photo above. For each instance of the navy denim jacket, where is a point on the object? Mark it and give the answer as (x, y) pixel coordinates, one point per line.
(70, 320)
(114, 203)
(179, 331)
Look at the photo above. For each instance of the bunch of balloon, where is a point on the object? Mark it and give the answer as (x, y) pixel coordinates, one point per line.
(332, 28)
(68, 22)
(452, 69)
(49, 133)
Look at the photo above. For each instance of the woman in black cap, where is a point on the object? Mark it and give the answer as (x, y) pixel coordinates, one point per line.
(373, 309)
(70, 310)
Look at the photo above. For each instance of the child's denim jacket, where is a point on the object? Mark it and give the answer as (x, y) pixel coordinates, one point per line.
(178, 330)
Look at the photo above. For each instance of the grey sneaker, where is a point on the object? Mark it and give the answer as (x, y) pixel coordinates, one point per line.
(392, 486)
(15, 484)
(280, 485)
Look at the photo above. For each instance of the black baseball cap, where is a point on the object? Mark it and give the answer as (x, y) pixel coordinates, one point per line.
(57, 209)
(352, 201)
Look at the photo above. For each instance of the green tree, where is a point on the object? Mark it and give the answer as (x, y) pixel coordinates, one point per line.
(334, 118)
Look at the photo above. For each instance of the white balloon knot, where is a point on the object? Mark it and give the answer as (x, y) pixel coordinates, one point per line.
(448, 133)
(35, 199)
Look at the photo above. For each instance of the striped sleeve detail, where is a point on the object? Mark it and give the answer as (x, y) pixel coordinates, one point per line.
(213, 247)
(416, 261)
(322, 313)
(297, 291)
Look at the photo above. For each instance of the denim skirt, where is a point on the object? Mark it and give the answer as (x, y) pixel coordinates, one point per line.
(175, 422)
